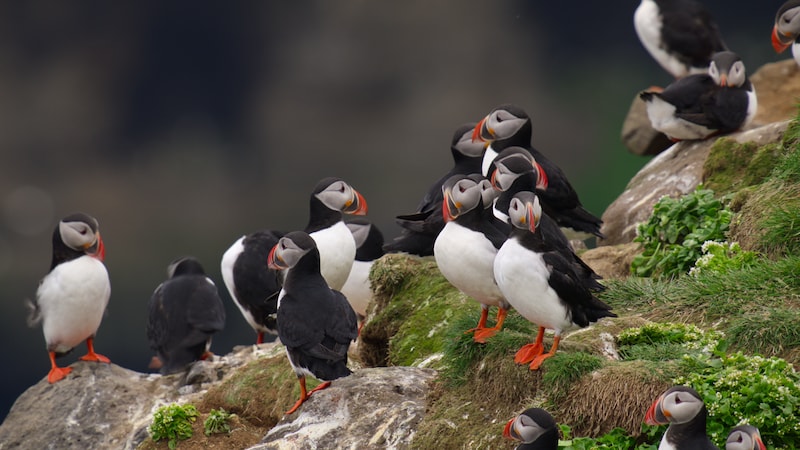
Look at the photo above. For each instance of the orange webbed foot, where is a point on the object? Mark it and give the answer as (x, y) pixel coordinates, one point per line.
(480, 336)
(296, 405)
(58, 374)
(528, 352)
(537, 362)
(319, 388)
(95, 357)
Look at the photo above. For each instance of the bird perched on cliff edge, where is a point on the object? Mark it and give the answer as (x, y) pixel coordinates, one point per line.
(184, 312)
(254, 288)
(315, 322)
(73, 296)
(703, 105)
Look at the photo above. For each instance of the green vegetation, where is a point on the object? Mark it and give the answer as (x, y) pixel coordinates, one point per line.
(217, 422)
(722, 257)
(673, 236)
(173, 422)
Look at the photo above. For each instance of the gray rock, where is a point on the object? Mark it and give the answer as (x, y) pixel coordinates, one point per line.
(676, 171)
(372, 408)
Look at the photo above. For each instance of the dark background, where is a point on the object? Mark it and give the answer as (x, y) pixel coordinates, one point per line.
(183, 125)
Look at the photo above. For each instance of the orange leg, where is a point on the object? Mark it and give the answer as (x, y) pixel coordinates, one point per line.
(155, 363)
(481, 321)
(530, 351)
(537, 362)
(206, 355)
(91, 355)
(320, 387)
(303, 395)
(56, 373)
(260, 338)
(481, 335)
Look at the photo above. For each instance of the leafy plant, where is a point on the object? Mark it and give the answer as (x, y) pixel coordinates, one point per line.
(617, 439)
(673, 236)
(173, 422)
(764, 392)
(217, 422)
(657, 340)
(722, 257)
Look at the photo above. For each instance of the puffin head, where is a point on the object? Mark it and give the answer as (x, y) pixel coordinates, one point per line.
(727, 69)
(502, 123)
(524, 211)
(744, 437)
(337, 195)
(461, 194)
(787, 25)
(464, 144)
(530, 425)
(81, 232)
(290, 249)
(678, 404)
(510, 164)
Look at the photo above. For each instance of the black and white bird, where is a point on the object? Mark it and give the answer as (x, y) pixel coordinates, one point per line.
(744, 437)
(540, 284)
(72, 297)
(786, 31)
(465, 250)
(681, 35)
(684, 410)
(535, 428)
(184, 313)
(421, 227)
(255, 288)
(315, 322)
(699, 106)
(515, 171)
(369, 247)
(509, 126)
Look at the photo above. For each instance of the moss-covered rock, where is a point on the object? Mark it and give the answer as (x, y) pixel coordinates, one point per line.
(732, 165)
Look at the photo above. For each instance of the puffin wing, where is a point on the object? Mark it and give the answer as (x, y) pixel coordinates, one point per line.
(206, 313)
(157, 332)
(583, 307)
(694, 34)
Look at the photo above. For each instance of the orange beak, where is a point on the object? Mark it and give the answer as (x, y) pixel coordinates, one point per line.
(777, 43)
(357, 206)
(507, 430)
(99, 249)
(650, 417)
(449, 208)
(273, 262)
(531, 219)
(541, 182)
(477, 133)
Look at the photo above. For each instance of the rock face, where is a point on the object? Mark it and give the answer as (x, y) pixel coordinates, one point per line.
(372, 408)
(677, 171)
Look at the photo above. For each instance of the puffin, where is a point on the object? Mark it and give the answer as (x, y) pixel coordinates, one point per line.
(540, 284)
(316, 324)
(72, 298)
(515, 170)
(465, 249)
(535, 428)
(786, 31)
(702, 105)
(744, 437)
(509, 126)
(681, 35)
(369, 247)
(419, 229)
(184, 312)
(684, 410)
(255, 288)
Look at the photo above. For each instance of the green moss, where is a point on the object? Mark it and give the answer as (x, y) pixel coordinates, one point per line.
(731, 165)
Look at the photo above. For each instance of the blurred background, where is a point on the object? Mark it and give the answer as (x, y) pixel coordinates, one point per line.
(183, 125)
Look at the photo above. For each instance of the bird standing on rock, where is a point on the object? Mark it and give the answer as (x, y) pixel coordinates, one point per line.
(184, 312)
(255, 288)
(465, 250)
(315, 322)
(703, 105)
(72, 297)
(540, 283)
(680, 35)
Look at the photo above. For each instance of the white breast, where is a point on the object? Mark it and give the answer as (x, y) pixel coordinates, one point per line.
(73, 298)
(466, 259)
(522, 276)
(357, 288)
(337, 251)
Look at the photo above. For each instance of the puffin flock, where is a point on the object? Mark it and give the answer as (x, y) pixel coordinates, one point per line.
(493, 223)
